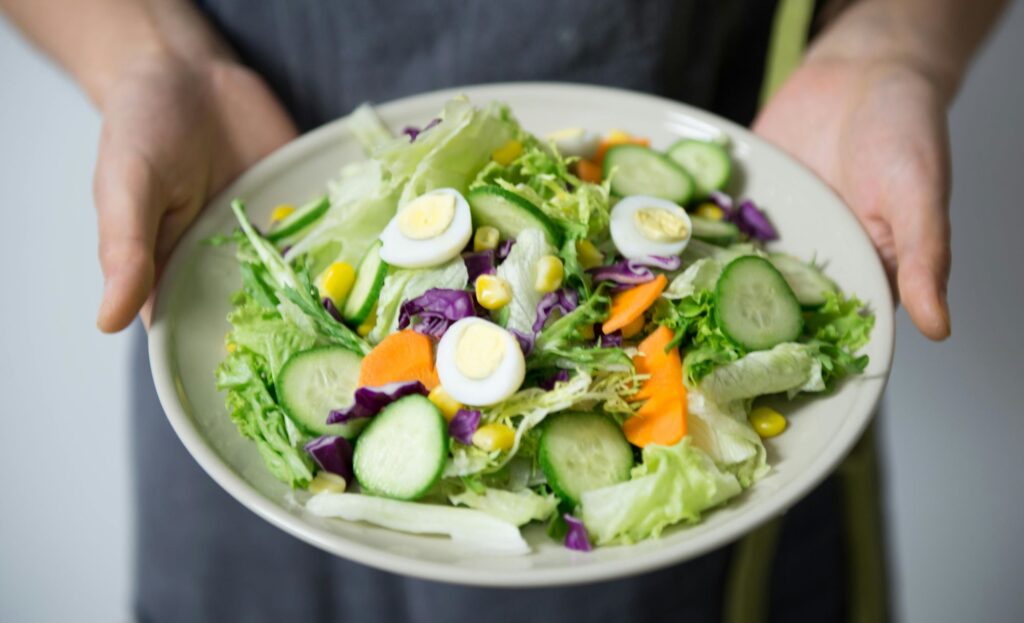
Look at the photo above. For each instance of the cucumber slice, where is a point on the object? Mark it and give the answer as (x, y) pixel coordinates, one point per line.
(299, 220)
(809, 284)
(401, 454)
(579, 452)
(369, 280)
(715, 232)
(754, 305)
(314, 382)
(509, 213)
(643, 171)
(708, 163)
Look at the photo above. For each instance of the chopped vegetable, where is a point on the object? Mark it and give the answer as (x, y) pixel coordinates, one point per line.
(403, 356)
(630, 304)
(493, 292)
(432, 312)
(662, 418)
(576, 537)
(333, 454)
(369, 401)
(462, 427)
(767, 422)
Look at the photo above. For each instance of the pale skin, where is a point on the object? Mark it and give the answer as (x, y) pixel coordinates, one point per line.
(182, 118)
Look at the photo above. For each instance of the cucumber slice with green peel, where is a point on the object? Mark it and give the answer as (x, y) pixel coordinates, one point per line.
(313, 382)
(708, 163)
(299, 220)
(754, 305)
(715, 232)
(809, 284)
(369, 280)
(580, 452)
(509, 213)
(643, 171)
(401, 454)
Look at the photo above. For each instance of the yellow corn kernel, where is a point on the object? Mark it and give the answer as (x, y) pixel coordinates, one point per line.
(709, 210)
(767, 422)
(493, 292)
(281, 212)
(327, 481)
(588, 255)
(371, 321)
(337, 281)
(587, 332)
(485, 238)
(491, 437)
(617, 136)
(549, 274)
(443, 401)
(634, 327)
(231, 347)
(507, 152)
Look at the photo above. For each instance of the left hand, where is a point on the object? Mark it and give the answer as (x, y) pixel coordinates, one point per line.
(876, 132)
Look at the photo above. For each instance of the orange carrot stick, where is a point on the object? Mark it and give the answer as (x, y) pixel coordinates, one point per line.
(403, 356)
(630, 304)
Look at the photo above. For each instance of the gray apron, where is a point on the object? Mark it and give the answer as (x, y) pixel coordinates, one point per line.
(203, 557)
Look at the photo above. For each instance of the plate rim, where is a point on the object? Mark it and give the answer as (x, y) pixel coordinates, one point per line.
(162, 365)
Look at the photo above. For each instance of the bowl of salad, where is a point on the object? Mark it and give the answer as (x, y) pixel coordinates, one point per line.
(522, 335)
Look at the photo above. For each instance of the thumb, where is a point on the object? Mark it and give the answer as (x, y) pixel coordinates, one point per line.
(125, 191)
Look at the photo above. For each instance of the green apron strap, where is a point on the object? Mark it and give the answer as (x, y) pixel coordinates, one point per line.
(786, 47)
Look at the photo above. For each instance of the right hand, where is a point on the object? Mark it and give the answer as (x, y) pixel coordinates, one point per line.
(173, 135)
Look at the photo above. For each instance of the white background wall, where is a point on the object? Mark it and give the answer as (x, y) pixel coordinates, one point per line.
(953, 433)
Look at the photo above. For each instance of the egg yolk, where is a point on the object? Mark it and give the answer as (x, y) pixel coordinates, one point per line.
(480, 349)
(660, 225)
(427, 217)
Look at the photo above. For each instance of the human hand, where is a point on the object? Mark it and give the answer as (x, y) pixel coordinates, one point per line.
(174, 133)
(876, 132)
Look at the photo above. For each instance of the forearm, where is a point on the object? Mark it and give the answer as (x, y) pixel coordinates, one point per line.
(934, 37)
(96, 41)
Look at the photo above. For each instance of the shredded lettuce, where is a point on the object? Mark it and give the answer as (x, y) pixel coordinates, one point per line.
(560, 345)
(516, 507)
(673, 484)
(527, 408)
(518, 270)
(837, 330)
(406, 284)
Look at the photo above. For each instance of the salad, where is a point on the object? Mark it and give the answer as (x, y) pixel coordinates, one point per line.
(476, 329)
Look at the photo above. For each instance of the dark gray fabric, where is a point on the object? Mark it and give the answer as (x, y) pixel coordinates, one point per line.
(200, 555)
(323, 58)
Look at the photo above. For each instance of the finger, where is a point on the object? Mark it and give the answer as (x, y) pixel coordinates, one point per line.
(921, 236)
(125, 192)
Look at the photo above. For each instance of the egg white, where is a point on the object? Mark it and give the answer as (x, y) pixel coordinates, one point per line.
(399, 250)
(630, 242)
(575, 142)
(503, 382)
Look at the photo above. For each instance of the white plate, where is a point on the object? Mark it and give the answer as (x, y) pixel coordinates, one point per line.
(186, 340)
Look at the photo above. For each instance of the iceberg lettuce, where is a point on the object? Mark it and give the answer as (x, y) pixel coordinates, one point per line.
(673, 484)
(788, 367)
(515, 507)
(518, 270)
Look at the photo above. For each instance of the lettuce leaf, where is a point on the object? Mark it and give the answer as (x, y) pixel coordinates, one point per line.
(515, 507)
(837, 330)
(244, 376)
(727, 437)
(788, 367)
(673, 484)
(407, 283)
(265, 332)
(518, 269)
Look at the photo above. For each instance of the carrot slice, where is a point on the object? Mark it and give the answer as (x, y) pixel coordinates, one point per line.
(630, 304)
(402, 356)
(589, 171)
(662, 418)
